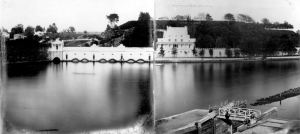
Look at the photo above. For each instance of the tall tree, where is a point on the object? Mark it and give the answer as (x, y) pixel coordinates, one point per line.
(245, 18)
(208, 17)
(144, 16)
(52, 28)
(16, 30)
(29, 31)
(265, 21)
(38, 28)
(229, 17)
(113, 20)
(71, 29)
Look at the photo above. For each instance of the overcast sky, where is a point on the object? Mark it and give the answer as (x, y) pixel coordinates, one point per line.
(87, 15)
(274, 10)
(90, 15)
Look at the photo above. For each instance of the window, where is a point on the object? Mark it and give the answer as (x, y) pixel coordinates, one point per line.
(56, 47)
(181, 40)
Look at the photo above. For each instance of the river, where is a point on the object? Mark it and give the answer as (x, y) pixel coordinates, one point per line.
(180, 87)
(78, 96)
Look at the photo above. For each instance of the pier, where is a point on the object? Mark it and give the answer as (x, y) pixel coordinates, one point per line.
(201, 121)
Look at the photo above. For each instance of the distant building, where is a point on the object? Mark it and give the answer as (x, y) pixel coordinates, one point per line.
(39, 33)
(176, 42)
(19, 36)
(163, 18)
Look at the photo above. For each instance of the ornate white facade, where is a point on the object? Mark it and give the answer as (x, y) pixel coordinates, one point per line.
(176, 42)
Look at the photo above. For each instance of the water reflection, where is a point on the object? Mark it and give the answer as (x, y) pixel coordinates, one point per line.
(78, 96)
(183, 87)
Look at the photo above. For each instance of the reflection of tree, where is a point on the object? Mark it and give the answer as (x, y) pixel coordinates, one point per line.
(25, 69)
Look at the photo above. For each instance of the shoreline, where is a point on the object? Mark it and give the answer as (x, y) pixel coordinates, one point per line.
(221, 60)
(185, 60)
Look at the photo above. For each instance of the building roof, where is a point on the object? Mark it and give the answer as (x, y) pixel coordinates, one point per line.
(175, 31)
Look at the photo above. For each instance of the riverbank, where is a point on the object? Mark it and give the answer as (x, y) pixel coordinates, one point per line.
(207, 59)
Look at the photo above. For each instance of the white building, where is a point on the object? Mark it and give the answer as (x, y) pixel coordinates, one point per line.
(175, 42)
(61, 52)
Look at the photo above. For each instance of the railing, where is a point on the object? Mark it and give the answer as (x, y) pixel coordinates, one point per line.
(239, 113)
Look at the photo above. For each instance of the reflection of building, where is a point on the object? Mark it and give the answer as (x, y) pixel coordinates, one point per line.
(176, 41)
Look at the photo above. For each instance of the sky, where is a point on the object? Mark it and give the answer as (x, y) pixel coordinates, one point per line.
(90, 15)
(274, 10)
(87, 15)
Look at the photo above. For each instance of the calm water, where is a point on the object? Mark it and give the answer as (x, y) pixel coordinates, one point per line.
(82, 96)
(183, 87)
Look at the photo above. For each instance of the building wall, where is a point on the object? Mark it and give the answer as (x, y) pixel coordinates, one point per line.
(188, 52)
(101, 53)
(176, 38)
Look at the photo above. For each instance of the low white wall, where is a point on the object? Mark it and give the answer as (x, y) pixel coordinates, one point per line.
(100, 53)
(217, 52)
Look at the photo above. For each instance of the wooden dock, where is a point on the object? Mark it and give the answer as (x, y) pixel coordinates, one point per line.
(180, 123)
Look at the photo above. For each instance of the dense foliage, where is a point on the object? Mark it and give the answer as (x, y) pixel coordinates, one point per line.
(252, 38)
(28, 49)
(142, 33)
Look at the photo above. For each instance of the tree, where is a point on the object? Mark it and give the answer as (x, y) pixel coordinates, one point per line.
(29, 32)
(174, 51)
(265, 21)
(208, 17)
(229, 17)
(211, 52)
(113, 20)
(202, 52)
(38, 28)
(228, 52)
(237, 53)
(245, 18)
(16, 30)
(52, 28)
(194, 51)
(72, 29)
(144, 16)
(288, 44)
(161, 51)
(207, 41)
